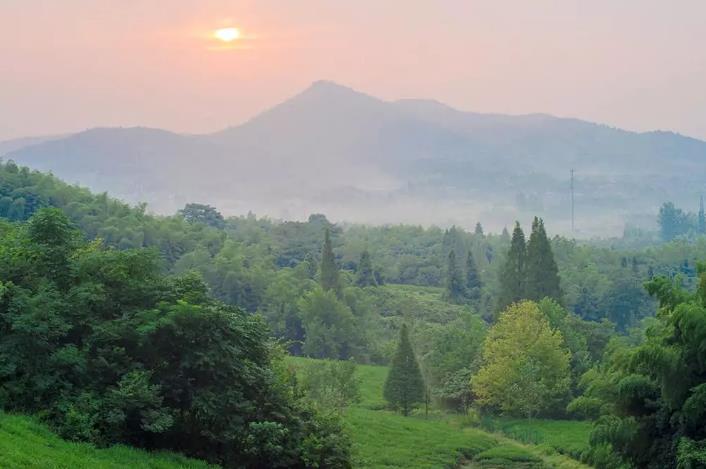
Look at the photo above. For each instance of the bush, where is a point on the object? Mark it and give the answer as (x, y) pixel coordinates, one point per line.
(331, 384)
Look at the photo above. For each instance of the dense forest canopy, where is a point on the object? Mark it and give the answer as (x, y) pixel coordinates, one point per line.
(239, 256)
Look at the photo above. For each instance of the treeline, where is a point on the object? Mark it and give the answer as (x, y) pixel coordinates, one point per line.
(249, 261)
(106, 348)
(239, 256)
(675, 222)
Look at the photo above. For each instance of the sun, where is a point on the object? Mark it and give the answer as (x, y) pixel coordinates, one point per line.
(226, 34)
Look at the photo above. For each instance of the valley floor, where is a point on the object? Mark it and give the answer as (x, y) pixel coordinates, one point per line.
(387, 440)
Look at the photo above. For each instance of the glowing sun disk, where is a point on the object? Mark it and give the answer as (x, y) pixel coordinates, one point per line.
(227, 34)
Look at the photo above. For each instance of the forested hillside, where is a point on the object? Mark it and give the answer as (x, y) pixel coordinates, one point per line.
(109, 350)
(94, 291)
(243, 258)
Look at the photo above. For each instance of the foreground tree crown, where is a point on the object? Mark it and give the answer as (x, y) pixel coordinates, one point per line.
(525, 368)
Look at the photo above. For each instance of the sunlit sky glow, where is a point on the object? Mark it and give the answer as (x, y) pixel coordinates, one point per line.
(74, 64)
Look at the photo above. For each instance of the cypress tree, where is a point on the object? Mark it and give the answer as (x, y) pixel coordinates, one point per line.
(702, 217)
(473, 283)
(404, 386)
(542, 274)
(479, 229)
(329, 271)
(365, 275)
(512, 275)
(455, 290)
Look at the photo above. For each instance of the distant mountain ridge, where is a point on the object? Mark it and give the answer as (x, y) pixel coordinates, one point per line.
(356, 157)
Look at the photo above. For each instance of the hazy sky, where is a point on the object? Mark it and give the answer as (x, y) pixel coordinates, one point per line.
(66, 65)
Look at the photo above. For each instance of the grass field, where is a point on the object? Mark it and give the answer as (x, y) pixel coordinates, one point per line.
(386, 440)
(25, 443)
(566, 436)
(422, 303)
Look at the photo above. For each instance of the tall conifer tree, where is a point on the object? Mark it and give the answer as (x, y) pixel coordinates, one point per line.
(473, 282)
(479, 229)
(365, 274)
(702, 217)
(512, 275)
(329, 271)
(404, 387)
(455, 290)
(541, 272)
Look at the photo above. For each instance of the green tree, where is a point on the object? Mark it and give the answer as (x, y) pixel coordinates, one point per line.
(200, 213)
(365, 275)
(453, 353)
(404, 386)
(329, 325)
(17, 209)
(455, 290)
(672, 221)
(329, 278)
(473, 282)
(541, 271)
(651, 391)
(331, 384)
(525, 367)
(512, 274)
(478, 230)
(701, 216)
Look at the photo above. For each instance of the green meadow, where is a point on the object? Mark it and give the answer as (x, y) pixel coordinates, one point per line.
(386, 440)
(26, 443)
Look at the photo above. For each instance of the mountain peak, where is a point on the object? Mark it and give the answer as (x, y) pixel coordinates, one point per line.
(330, 90)
(328, 85)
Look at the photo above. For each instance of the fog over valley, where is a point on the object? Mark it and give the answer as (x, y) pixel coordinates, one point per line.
(356, 158)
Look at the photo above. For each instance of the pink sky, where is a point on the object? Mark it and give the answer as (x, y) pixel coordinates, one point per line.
(73, 64)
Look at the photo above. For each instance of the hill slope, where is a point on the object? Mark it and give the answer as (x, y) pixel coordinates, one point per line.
(25, 443)
(359, 158)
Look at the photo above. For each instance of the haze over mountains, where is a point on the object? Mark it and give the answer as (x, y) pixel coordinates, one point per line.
(331, 149)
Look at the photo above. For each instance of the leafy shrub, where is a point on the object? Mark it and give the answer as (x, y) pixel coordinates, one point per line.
(331, 384)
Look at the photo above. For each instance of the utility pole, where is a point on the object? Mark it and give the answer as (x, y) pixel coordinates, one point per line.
(572, 200)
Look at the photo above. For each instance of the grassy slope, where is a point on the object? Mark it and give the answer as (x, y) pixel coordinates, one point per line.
(419, 302)
(383, 439)
(566, 436)
(25, 443)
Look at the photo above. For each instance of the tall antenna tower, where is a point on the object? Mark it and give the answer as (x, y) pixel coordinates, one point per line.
(572, 200)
